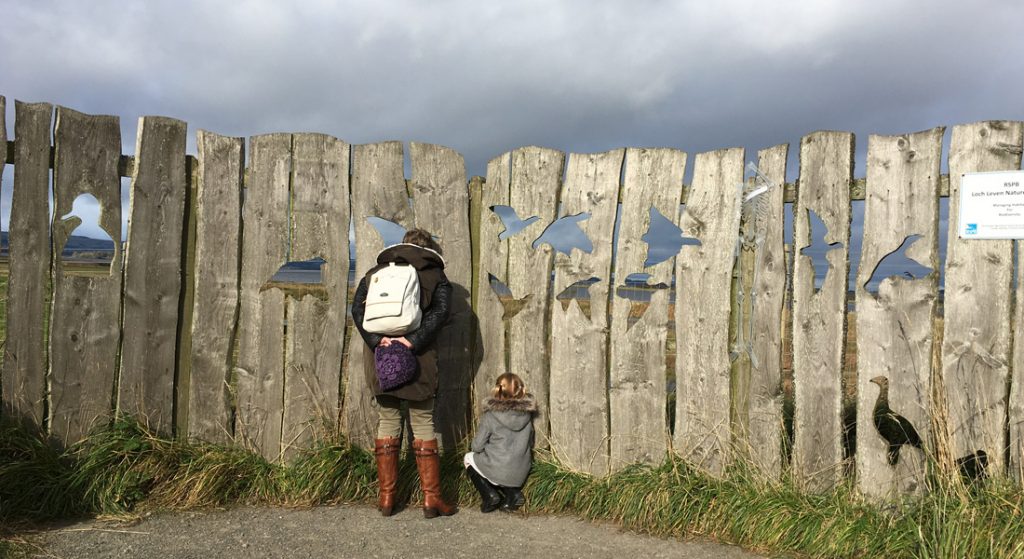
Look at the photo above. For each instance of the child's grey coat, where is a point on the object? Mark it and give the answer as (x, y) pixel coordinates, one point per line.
(504, 440)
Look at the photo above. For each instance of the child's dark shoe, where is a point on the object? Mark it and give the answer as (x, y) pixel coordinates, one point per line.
(489, 497)
(513, 499)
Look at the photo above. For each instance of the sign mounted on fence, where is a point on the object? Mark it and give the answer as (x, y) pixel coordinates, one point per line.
(992, 205)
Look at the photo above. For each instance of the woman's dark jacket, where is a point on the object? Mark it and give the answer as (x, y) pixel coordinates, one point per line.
(435, 299)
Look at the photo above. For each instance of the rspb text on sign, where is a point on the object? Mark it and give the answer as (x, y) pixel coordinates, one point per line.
(992, 205)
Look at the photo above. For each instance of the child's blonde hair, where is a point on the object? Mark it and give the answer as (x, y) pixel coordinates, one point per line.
(508, 386)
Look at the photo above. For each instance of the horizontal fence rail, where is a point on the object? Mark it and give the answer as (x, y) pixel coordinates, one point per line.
(646, 316)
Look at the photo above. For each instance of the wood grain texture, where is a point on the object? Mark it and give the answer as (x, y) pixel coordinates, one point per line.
(759, 422)
(976, 331)
(86, 311)
(703, 274)
(440, 192)
(315, 336)
(217, 266)
(894, 320)
(637, 389)
(24, 360)
(378, 190)
(152, 282)
(533, 191)
(260, 369)
(819, 316)
(579, 340)
(491, 352)
(1016, 397)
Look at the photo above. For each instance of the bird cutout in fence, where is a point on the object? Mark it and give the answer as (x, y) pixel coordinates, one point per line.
(972, 467)
(664, 239)
(511, 221)
(509, 303)
(299, 278)
(580, 291)
(638, 291)
(818, 250)
(893, 427)
(391, 233)
(83, 219)
(897, 260)
(564, 234)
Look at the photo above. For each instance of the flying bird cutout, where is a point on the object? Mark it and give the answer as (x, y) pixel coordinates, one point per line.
(510, 219)
(818, 250)
(638, 290)
(391, 233)
(664, 239)
(511, 305)
(898, 259)
(564, 234)
(580, 291)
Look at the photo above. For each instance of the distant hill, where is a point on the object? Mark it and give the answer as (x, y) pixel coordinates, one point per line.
(75, 244)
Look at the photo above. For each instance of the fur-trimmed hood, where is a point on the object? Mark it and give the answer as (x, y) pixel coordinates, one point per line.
(514, 414)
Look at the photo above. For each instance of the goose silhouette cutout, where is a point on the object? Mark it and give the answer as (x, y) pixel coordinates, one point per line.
(580, 292)
(509, 303)
(818, 250)
(638, 290)
(299, 279)
(565, 234)
(511, 221)
(912, 269)
(83, 221)
(664, 239)
(391, 233)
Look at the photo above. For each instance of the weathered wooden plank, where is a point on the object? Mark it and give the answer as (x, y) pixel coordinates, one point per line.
(703, 275)
(819, 316)
(24, 364)
(85, 322)
(637, 387)
(533, 191)
(579, 326)
(439, 187)
(759, 424)
(894, 318)
(1016, 397)
(215, 307)
(315, 340)
(976, 331)
(260, 370)
(378, 190)
(491, 348)
(152, 282)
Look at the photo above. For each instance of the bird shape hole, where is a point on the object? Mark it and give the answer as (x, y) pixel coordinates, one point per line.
(89, 249)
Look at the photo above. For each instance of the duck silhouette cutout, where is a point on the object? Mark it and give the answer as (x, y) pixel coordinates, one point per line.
(511, 221)
(565, 234)
(893, 427)
(509, 303)
(580, 291)
(972, 467)
(818, 246)
(84, 218)
(391, 233)
(664, 239)
(897, 259)
(638, 291)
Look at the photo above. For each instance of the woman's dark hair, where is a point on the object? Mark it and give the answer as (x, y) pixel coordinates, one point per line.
(423, 238)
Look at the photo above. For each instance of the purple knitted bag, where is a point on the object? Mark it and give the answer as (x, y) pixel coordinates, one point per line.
(396, 366)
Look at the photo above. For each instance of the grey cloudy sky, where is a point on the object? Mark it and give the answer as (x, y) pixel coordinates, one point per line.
(487, 77)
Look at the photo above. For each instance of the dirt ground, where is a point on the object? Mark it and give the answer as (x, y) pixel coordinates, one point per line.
(357, 531)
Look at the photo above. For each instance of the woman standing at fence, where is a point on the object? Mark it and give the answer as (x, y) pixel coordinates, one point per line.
(417, 249)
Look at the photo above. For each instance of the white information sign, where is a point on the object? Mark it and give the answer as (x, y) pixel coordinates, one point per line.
(992, 205)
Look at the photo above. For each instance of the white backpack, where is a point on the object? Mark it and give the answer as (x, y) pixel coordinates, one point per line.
(393, 301)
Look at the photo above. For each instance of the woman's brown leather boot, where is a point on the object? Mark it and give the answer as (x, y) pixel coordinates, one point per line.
(386, 452)
(429, 464)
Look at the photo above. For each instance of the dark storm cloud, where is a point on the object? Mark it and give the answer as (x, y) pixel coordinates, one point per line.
(484, 78)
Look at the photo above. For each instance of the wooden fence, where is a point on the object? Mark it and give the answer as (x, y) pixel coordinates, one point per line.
(188, 334)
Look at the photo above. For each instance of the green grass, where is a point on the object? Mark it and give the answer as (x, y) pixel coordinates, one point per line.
(125, 469)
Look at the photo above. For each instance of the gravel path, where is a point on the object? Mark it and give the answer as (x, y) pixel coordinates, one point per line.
(358, 531)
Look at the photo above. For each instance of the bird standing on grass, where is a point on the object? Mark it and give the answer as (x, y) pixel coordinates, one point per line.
(893, 427)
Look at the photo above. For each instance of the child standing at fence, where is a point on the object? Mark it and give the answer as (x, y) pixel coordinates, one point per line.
(502, 448)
